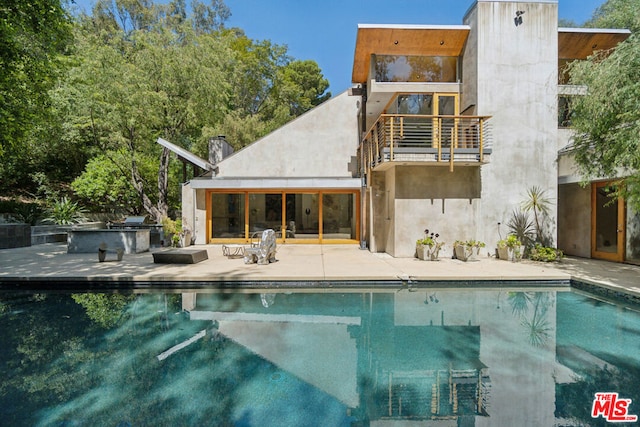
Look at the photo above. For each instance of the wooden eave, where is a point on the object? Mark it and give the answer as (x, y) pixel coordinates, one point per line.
(580, 43)
(419, 40)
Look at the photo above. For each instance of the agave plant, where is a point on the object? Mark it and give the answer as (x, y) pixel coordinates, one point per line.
(520, 225)
(65, 212)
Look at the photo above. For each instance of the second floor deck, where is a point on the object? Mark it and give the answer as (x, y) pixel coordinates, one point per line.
(426, 140)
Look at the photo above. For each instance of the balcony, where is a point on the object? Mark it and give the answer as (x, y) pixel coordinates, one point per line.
(426, 140)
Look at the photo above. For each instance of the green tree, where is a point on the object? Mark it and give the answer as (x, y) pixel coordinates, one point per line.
(142, 70)
(137, 79)
(617, 14)
(106, 186)
(270, 88)
(607, 118)
(33, 37)
(302, 86)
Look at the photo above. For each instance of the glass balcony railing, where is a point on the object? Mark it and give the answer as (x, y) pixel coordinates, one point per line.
(464, 140)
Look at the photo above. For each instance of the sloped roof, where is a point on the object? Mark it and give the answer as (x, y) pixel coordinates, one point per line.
(186, 155)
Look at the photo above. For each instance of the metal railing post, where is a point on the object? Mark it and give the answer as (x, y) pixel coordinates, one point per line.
(481, 142)
(391, 130)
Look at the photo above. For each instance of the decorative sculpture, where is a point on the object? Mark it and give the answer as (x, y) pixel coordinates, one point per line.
(264, 252)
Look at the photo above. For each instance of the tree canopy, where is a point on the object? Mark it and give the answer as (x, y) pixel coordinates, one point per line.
(138, 70)
(607, 118)
(34, 36)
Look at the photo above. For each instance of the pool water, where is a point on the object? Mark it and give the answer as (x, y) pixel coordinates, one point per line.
(401, 357)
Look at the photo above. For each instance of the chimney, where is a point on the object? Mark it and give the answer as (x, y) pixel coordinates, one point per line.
(219, 148)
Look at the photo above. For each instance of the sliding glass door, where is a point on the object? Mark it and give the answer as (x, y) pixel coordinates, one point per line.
(296, 217)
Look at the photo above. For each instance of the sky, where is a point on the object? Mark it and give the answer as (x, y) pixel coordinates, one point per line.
(325, 30)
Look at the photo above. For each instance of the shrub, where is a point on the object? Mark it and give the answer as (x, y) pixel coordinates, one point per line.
(65, 212)
(545, 254)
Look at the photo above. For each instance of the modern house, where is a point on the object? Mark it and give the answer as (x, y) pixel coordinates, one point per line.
(446, 128)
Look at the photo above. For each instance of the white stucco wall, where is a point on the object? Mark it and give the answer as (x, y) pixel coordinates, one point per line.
(320, 143)
(316, 150)
(517, 86)
(431, 198)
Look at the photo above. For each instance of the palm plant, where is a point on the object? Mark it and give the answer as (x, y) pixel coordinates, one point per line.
(538, 203)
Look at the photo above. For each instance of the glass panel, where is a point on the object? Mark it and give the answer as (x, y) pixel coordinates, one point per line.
(446, 107)
(302, 216)
(265, 211)
(338, 221)
(419, 103)
(415, 131)
(402, 68)
(606, 221)
(227, 215)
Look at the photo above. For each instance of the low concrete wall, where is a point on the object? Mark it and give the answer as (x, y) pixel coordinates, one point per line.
(15, 235)
(156, 232)
(41, 234)
(88, 241)
(52, 233)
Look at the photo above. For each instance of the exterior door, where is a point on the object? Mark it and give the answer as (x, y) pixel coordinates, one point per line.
(607, 223)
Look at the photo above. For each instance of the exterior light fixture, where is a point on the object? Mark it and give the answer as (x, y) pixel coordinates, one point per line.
(518, 19)
(441, 42)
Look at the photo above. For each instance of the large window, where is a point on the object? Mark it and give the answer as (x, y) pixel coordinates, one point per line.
(337, 213)
(227, 215)
(403, 68)
(295, 217)
(421, 131)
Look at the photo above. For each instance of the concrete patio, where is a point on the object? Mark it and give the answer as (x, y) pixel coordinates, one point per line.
(50, 266)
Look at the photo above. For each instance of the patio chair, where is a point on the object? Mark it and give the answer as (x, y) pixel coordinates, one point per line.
(264, 252)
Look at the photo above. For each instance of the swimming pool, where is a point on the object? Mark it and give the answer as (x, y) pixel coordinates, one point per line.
(433, 356)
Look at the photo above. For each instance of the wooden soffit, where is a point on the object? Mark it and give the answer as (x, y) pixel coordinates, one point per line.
(580, 43)
(420, 40)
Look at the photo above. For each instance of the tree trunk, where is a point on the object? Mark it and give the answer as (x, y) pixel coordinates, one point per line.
(148, 205)
(163, 182)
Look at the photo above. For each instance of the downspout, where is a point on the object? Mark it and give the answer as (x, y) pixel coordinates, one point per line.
(363, 177)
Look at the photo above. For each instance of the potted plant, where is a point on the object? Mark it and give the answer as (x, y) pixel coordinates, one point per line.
(510, 249)
(467, 250)
(172, 232)
(428, 247)
(185, 236)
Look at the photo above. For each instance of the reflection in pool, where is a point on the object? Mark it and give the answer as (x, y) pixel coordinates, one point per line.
(440, 357)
